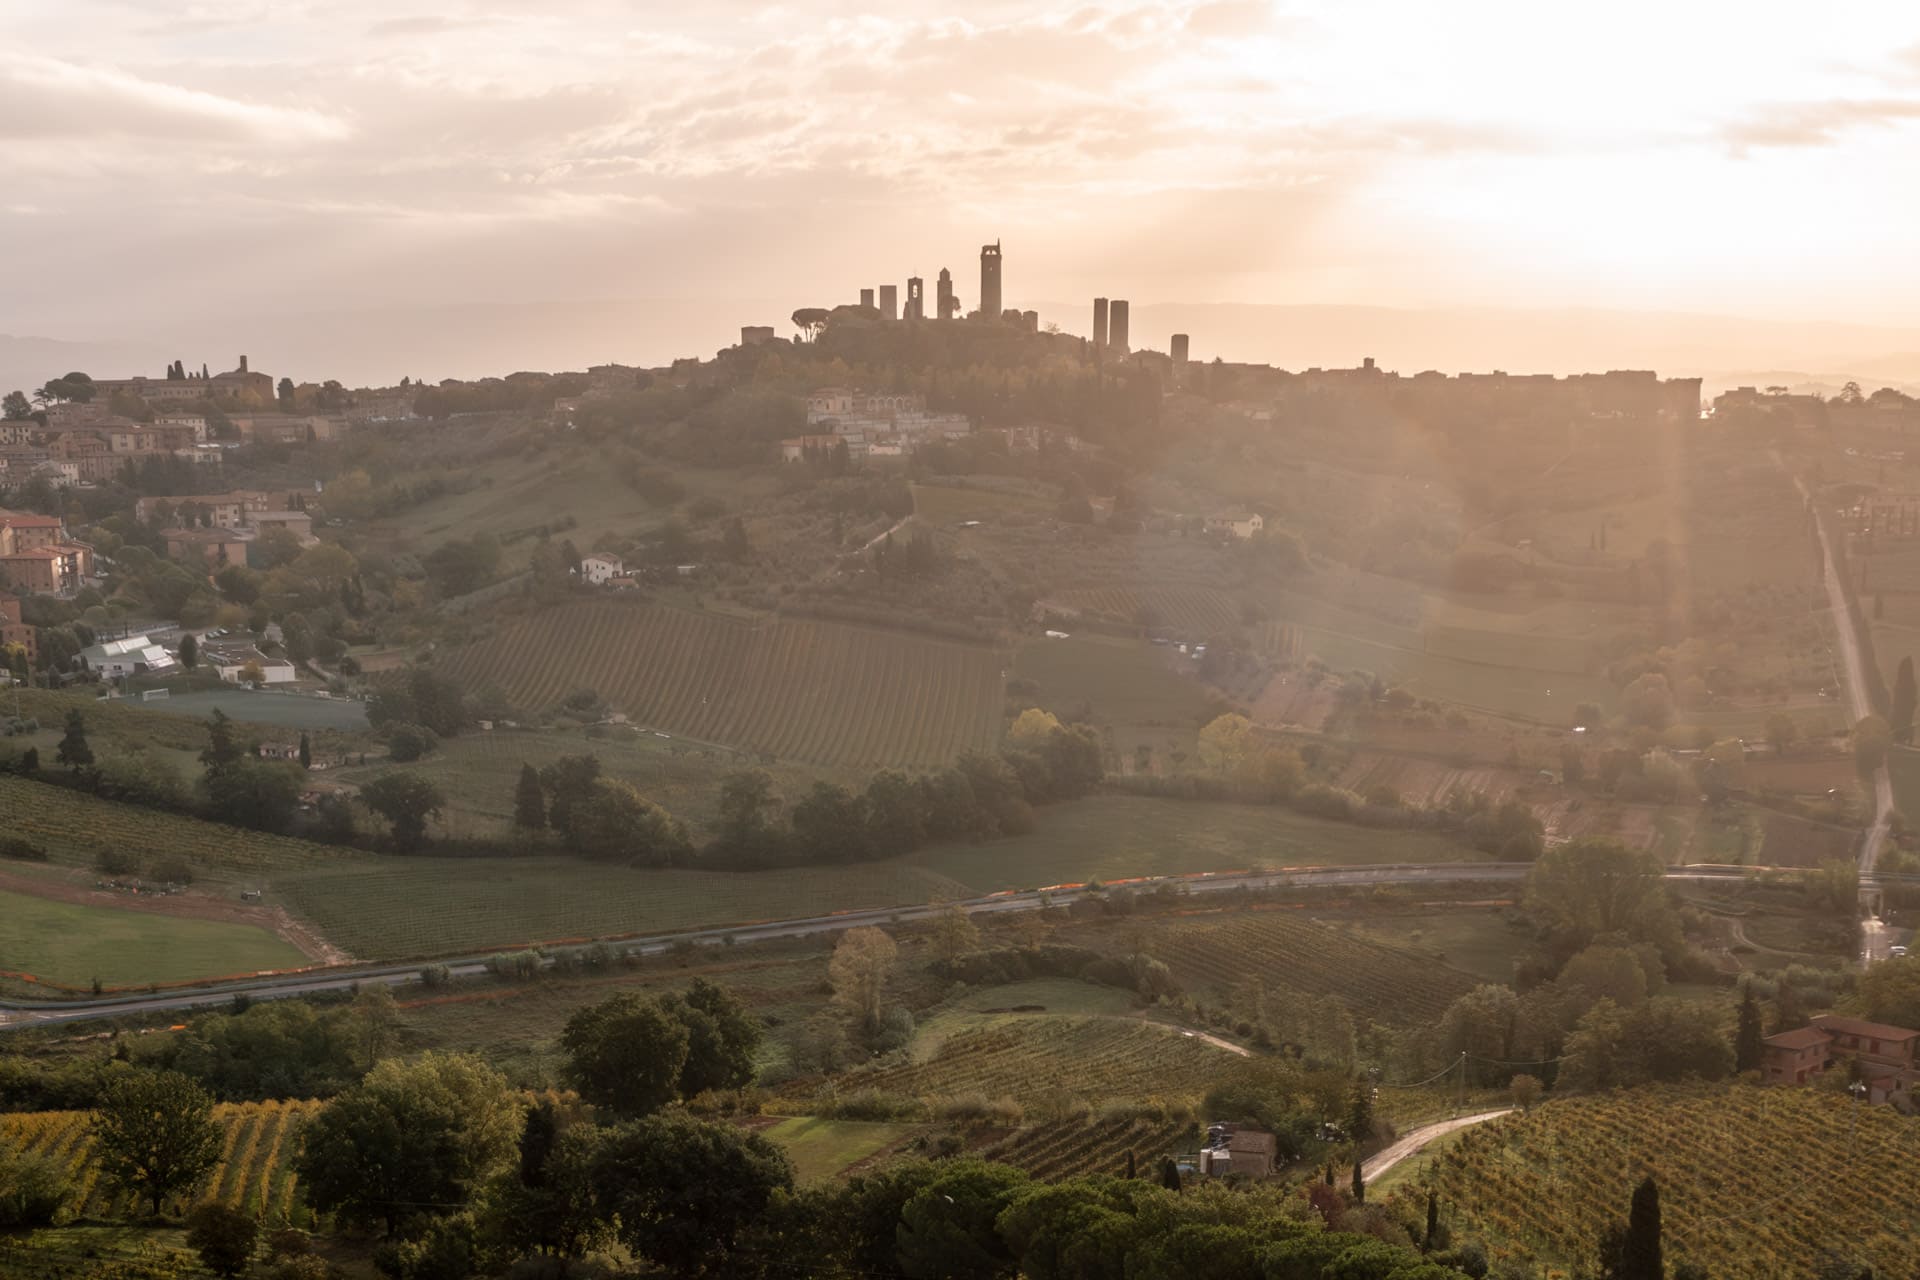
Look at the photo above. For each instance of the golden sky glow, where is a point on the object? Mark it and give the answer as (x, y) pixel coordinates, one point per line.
(1754, 159)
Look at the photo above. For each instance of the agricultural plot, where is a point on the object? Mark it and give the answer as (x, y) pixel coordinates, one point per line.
(1753, 1182)
(74, 828)
(1028, 1058)
(821, 692)
(1426, 783)
(1195, 613)
(71, 944)
(255, 1173)
(1122, 682)
(284, 710)
(1085, 1146)
(822, 1149)
(1284, 952)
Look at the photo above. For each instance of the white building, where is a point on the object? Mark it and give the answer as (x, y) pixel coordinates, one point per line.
(1240, 524)
(229, 660)
(600, 569)
(133, 656)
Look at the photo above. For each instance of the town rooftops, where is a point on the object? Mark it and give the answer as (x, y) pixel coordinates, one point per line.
(27, 520)
(1803, 1038)
(1837, 1024)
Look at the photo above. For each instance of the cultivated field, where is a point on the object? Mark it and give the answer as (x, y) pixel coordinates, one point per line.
(255, 1173)
(1753, 1182)
(1085, 1145)
(283, 710)
(1196, 613)
(75, 828)
(69, 944)
(822, 1149)
(1281, 950)
(1028, 1058)
(821, 692)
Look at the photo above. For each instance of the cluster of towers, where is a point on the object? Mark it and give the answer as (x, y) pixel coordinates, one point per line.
(886, 299)
(1111, 318)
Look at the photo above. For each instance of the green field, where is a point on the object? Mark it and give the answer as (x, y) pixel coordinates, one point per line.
(282, 710)
(1477, 941)
(822, 1149)
(1119, 837)
(942, 504)
(70, 944)
(1123, 682)
(821, 692)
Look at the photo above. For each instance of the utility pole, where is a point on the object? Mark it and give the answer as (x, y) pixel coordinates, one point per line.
(1460, 1107)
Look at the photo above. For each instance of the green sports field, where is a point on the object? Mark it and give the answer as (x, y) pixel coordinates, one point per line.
(71, 944)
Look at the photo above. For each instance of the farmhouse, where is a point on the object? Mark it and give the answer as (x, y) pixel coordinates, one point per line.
(1884, 1055)
(600, 569)
(1241, 524)
(1238, 1148)
(215, 546)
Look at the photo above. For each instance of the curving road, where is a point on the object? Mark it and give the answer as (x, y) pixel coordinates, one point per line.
(1873, 933)
(17, 1014)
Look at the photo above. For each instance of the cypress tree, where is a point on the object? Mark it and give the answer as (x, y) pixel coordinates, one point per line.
(1748, 1040)
(1901, 717)
(1169, 1174)
(74, 751)
(306, 752)
(1359, 1183)
(529, 801)
(1640, 1252)
(190, 651)
(1433, 1219)
(1130, 1165)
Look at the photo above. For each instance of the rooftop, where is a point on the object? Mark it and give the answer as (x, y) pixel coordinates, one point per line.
(1804, 1038)
(1841, 1025)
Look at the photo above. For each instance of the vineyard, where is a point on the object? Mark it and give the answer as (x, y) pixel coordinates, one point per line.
(1085, 1146)
(1759, 1183)
(1023, 1059)
(255, 1173)
(1282, 951)
(821, 692)
(75, 827)
(1194, 612)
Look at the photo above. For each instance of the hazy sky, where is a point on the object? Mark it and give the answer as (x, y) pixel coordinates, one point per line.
(189, 157)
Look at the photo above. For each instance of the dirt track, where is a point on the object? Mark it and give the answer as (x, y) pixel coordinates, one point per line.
(194, 904)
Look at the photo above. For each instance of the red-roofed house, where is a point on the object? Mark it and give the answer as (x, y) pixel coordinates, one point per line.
(1884, 1054)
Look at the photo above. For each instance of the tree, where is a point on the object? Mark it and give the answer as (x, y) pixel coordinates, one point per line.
(1900, 719)
(1225, 742)
(15, 406)
(1635, 1252)
(1871, 737)
(406, 801)
(568, 781)
(155, 1132)
(1032, 727)
(74, 751)
(1584, 888)
(613, 822)
(190, 652)
(529, 801)
(408, 742)
(1782, 732)
(746, 800)
(262, 794)
(377, 1017)
(285, 393)
(1525, 1090)
(223, 750)
(1749, 1036)
(224, 1238)
(412, 1139)
(685, 1191)
(948, 1229)
(626, 1054)
(722, 1037)
(830, 825)
(306, 752)
(1359, 1190)
(954, 934)
(1648, 701)
(858, 971)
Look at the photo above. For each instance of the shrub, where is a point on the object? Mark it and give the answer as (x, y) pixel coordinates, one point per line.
(408, 742)
(875, 1104)
(115, 862)
(21, 850)
(33, 1189)
(435, 975)
(173, 869)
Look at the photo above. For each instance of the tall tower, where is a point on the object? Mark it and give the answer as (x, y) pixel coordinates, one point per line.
(1177, 348)
(945, 305)
(1117, 325)
(1099, 324)
(990, 280)
(889, 302)
(866, 297)
(916, 298)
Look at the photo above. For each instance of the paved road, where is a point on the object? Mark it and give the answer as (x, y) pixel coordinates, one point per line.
(1419, 1138)
(281, 986)
(1873, 934)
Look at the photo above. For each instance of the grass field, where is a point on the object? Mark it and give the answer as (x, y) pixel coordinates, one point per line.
(1118, 837)
(403, 907)
(67, 943)
(821, 692)
(1753, 1182)
(942, 504)
(478, 771)
(1030, 1057)
(1122, 681)
(281, 710)
(822, 1149)
(1473, 940)
(1281, 949)
(1195, 613)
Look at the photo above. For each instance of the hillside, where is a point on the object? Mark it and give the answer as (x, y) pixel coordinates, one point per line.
(820, 692)
(1759, 1183)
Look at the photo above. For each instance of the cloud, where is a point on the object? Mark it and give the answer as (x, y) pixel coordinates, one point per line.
(1815, 124)
(50, 98)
